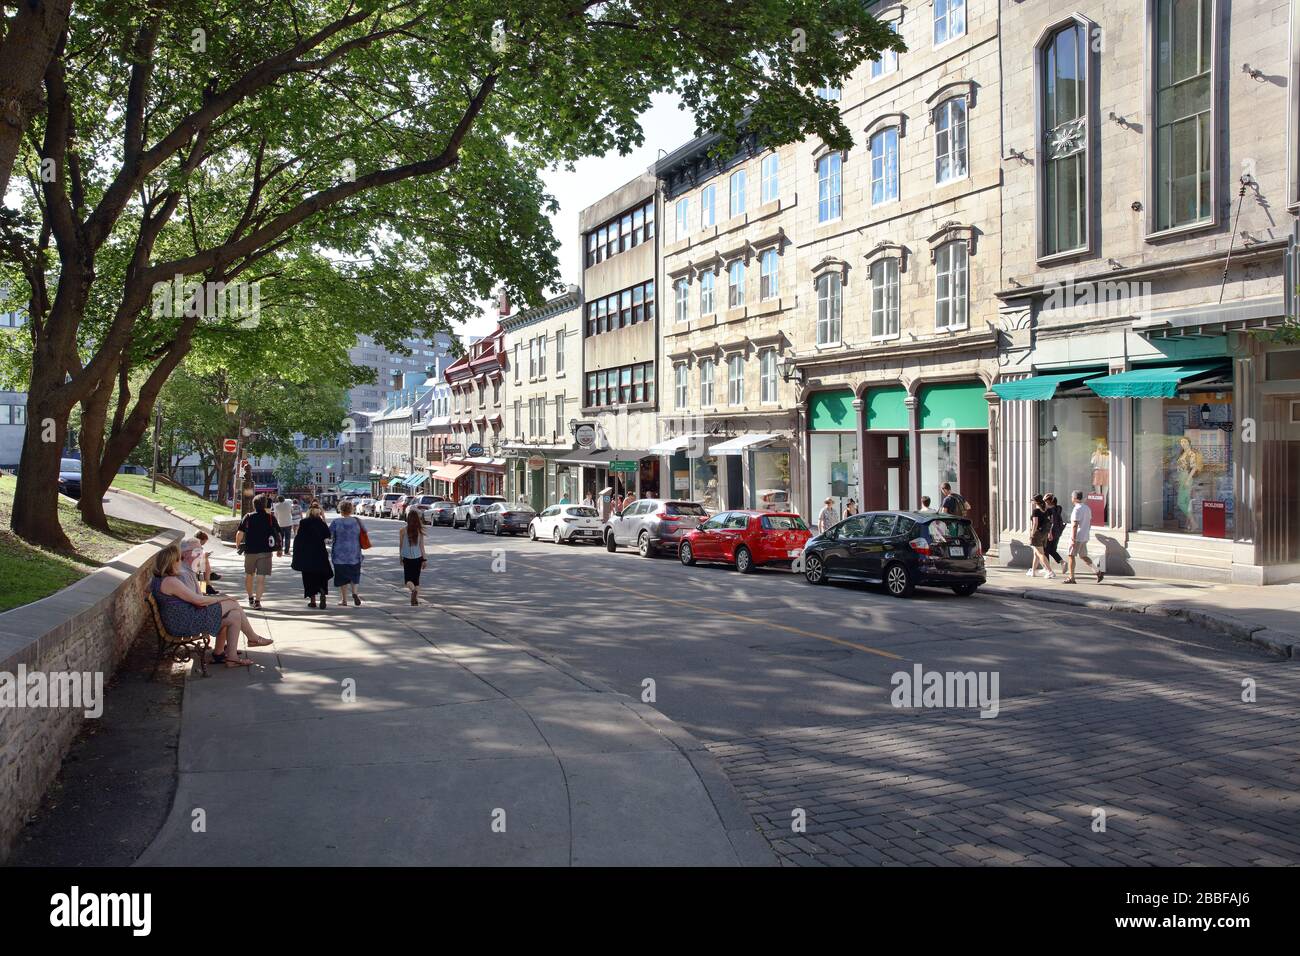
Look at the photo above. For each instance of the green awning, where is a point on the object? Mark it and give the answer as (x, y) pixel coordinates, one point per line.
(353, 486)
(1039, 388)
(1160, 382)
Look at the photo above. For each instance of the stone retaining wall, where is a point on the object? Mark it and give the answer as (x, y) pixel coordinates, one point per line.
(86, 627)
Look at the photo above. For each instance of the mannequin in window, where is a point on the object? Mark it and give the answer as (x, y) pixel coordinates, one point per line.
(1189, 464)
(1100, 465)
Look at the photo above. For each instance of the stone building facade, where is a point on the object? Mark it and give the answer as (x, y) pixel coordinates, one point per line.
(1149, 193)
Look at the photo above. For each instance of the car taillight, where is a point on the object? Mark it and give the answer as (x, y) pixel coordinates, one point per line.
(979, 549)
(665, 516)
(570, 520)
(919, 545)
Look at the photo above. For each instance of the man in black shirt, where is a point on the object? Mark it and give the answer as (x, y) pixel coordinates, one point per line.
(257, 537)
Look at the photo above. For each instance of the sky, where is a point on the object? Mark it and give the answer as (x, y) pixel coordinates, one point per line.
(666, 126)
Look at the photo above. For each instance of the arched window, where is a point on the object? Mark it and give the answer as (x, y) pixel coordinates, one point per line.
(1063, 98)
(830, 293)
(884, 166)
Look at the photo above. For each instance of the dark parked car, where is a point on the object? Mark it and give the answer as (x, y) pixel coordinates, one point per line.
(899, 549)
(503, 518)
(70, 477)
(440, 512)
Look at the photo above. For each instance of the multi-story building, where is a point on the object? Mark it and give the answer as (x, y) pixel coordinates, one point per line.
(897, 258)
(477, 383)
(730, 277)
(13, 406)
(543, 393)
(620, 340)
(391, 366)
(432, 431)
(357, 449)
(1151, 182)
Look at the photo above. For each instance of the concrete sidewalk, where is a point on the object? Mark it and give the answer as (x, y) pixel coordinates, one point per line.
(459, 748)
(1268, 616)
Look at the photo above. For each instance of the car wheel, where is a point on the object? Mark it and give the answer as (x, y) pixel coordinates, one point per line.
(687, 554)
(610, 544)
(643, 545)
(814, 570)
(898, 581)
(964, 590)
(532, 533)
(744, 560)
(555, 535)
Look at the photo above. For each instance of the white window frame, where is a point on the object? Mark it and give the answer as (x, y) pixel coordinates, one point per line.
(736, 379)
(681, 300)
(736, 194)
(532, 359)
(735, 289)
(951, 139)
(559, 352)
(949, 21)
(708, 293)
(831, 93)
(952, 268)
(681, 384)
(767, 376)
(888, 60)
(708, 206)
(769, 173)
(881, 155)
(706, 383)
(885, 299)
(830, 176)
(769, 274)
(541, 356)
(830, 309)
(683, 217)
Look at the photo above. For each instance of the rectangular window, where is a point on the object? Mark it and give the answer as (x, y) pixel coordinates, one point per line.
(649, 381)
(829, 194)
(708, 215)
(681, 290)
(1182, 464)
(884, 299)
(650, 301)
(625, 233)
(1064, 127)
(541, 356)
(638, 383)
(1184, 91)
(625, 385)
(593, 249)
(736, 284)
(638, 304)
(949, 20)
(1078, 456)
(831, 93)
(769, 285)
(950, 140)
(950, 287)
(884, 166)
(6, 417)
(736, 380)
(517, 370)
(706, 292)
(767, 375)
(737, 193)
(829, 302)
(683, 218)
(625, 308)
(769, 187)
(650, 220)
(638, 226)
(591, 389)
(888, 62)
(680, 377)
(519, 418)
(559, 352)
(560, 426)
(532, 359)
(706, 383)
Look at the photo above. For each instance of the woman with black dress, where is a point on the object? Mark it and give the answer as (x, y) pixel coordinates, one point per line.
(311, 556)
(1039, 521)
(1055, 528)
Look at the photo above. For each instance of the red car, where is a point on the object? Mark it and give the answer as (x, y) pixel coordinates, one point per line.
(747, 539)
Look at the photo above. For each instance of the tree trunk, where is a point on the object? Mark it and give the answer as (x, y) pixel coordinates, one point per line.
(36, 499)
(94, 416)
(34, 32)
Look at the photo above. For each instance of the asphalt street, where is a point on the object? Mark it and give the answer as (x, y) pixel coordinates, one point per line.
(1131, 723)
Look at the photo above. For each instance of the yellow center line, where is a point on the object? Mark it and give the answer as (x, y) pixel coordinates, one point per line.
(731, 614)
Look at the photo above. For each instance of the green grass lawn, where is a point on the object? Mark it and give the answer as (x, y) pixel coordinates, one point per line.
(28, 573)
(186, 502)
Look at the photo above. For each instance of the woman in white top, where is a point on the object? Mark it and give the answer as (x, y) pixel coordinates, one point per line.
(411, 548)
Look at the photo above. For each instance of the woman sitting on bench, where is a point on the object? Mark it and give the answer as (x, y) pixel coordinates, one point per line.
(185, 612)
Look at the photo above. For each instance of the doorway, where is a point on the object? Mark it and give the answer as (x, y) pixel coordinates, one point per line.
(973, 475)
(886, 485)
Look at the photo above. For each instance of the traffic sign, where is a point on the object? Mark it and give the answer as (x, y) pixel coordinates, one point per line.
(622, 466)
(230, 445)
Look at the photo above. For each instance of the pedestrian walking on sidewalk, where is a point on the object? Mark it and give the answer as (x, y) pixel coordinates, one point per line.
(283, 511)
(410, 541)
(257, 538)
(345, 532)
(1038, 530)
(1055, 528)
(850, 507)
(311, 557)
(1080, 526)
(827, 516)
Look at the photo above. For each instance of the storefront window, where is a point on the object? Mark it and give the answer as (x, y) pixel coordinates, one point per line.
(704, 482)
(1077, 456)
(939, 464)
(1183, 464)
(834, 471)
(770, 479)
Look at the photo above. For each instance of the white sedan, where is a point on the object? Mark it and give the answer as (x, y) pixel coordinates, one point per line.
(566, 523)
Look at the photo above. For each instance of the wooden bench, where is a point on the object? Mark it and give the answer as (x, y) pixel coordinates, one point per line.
(178, 649)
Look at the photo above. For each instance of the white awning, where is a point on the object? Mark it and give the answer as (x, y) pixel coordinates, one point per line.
(670, 445)
(734, 446)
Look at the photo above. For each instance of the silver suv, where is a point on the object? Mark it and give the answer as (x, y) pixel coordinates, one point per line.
(651, 525)
(470, 507)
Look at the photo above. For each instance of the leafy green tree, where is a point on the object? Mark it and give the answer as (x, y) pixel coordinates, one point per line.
(292, 471)
(392, 149)
(29, 33)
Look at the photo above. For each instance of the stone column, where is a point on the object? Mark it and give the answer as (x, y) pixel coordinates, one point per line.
(913, 404)
(860, 435)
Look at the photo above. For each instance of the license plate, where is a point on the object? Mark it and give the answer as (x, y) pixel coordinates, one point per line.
(794, 553)
(954, 551)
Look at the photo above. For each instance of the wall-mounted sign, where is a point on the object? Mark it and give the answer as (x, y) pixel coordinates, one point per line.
(451, 448)
(624, 466)
(536, 462)
(476, 450)
(585, 435)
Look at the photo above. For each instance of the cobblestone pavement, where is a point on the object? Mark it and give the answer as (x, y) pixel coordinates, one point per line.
(1186, 774)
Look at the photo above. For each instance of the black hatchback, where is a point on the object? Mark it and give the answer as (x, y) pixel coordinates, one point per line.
(899, 549)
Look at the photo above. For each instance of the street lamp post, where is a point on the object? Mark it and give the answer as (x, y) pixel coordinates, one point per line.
(232, 408)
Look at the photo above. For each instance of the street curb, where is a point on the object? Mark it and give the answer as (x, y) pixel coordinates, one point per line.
(1277, 642)
(189, 519)
(750, 846)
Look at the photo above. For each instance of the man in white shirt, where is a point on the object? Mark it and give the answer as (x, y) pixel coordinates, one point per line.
(1080, 527)
(283, 511)
(827, 517)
